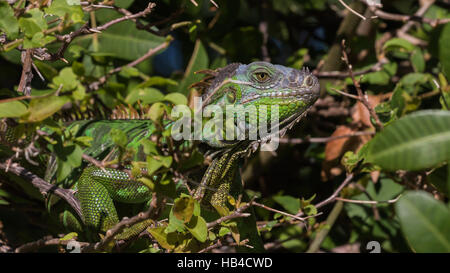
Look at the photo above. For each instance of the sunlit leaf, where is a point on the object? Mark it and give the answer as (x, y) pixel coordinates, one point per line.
(417, 141)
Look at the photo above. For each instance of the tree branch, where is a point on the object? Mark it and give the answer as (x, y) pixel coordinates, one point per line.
(85, 29)
(44, 187)
(152, 51)
(236, 214)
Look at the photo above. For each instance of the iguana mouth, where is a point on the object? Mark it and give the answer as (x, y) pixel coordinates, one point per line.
(300, 94)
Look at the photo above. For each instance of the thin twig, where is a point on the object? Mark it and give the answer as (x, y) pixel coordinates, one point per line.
(152, 51)
(220, 244)
(323, 139)
(362, 96)
(352, 10)
(284, 213)
(46, 241)
(335, 194)
(236, 214)
(371, 202)
(342, 75)
(406, 18)
(85, 29)
(331, 219)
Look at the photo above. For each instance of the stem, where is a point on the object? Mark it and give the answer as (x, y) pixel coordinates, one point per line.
(318, 240)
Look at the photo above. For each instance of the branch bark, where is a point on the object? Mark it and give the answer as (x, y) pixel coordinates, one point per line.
(44, 187)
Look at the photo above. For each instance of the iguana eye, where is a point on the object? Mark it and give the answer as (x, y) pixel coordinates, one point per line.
(261, 76)
(309, 81)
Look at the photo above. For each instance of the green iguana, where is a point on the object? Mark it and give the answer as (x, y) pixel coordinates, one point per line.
(258, 84)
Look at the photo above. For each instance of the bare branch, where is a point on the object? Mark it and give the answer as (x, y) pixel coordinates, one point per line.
(352, 10)
(406, 18)
(44, 187)
(27, 73)
(362, 96)
(236, 214)
(340, 75)
(332, 197)
(46, 241)
(370, 202)
(85, 29)
(322, 139)
(284, 213)
(152, 51)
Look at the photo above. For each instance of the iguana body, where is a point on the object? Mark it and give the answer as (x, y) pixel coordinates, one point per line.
(257, 84)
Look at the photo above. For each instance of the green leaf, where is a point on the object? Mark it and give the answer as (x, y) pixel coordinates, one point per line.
(32, 22)
(12, 109)
(289, 203)
(183, 208)
(68, 158)
(175, 224)
(38, 40)
(398, 44)
(350, 160)
(199, 60)
(418, 141)
(125, 41)
(176, 98)
(149, 146)
(160, 236)
(62, 7)
(425, 222)
(418, 60)
(223, 231)
(379, 77)
(198, 228)
(8, 22)
(157, 80)
(156, 162)
(129, 71)
(166, 160)
(156, 111)
(444, 52)
(42, 108)
(78, 68)
(67, 79)
(69, 236)
(383, 76)
(310, 210)
(48, 71)
(145, 95)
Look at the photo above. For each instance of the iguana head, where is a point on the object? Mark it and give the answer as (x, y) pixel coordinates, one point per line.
(261, 86)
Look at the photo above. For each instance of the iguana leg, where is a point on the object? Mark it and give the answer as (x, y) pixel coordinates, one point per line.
(98, 188)
(218, 178)
(222, 179)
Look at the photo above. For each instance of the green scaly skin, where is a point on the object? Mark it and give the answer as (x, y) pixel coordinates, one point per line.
(258, 84)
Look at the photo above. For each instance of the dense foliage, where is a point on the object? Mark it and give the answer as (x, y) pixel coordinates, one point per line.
(368, 163)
